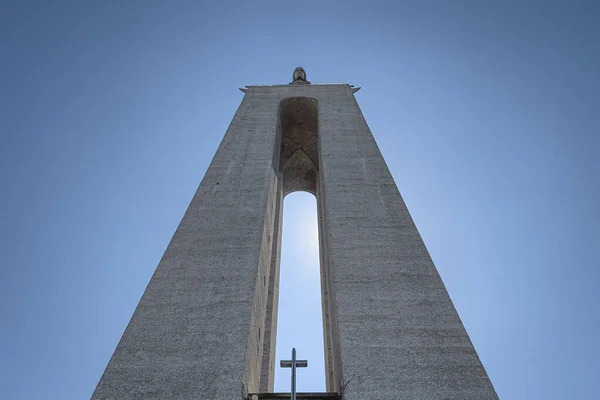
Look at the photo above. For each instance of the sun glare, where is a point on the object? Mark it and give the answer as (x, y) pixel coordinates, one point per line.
(300, 320)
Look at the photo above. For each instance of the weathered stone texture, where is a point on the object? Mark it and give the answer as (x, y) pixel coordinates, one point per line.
(207, 320)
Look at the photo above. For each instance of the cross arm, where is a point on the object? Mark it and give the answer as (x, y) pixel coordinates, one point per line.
(288, 363)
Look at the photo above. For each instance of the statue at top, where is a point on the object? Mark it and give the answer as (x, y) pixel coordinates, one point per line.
(299, 76)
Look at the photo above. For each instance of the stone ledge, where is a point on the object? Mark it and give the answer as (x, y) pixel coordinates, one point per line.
(282, 396)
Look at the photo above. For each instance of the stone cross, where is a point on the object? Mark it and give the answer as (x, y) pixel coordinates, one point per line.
(293, 364)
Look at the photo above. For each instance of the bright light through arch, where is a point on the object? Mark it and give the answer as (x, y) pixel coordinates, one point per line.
(300, 318)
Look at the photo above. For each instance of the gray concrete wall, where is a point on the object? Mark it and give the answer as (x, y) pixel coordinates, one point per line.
(195, 333)
(399, 334)
(208, 318)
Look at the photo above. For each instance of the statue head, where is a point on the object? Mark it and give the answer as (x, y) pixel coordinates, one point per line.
(299, 76)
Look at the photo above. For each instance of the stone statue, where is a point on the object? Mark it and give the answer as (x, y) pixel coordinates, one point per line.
(299, 76)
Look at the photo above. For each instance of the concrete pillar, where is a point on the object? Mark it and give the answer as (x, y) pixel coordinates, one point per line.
(205, 327)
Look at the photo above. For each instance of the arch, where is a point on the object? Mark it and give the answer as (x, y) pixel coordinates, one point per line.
(297, 149)
(300, 313)
(296, 163)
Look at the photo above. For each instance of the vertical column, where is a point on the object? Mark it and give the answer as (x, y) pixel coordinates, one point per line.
(399, 334)
(195, 333)
(330, 326)
(270, 325)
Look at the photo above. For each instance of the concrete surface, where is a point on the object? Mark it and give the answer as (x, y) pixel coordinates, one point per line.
(205, 327)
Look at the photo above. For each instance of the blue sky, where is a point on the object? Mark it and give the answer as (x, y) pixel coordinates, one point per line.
(488, 114)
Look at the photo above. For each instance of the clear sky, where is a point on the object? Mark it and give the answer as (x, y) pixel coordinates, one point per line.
(487, 112)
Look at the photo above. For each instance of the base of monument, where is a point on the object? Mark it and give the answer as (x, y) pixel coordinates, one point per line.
(282, 396)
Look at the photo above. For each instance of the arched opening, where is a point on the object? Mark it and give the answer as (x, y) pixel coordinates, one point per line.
(300, 320)
(299, 312)
(297, 150)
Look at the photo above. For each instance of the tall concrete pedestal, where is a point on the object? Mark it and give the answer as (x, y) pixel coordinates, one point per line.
(205, 327)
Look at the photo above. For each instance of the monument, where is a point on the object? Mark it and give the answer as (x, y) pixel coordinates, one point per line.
(205, 326)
